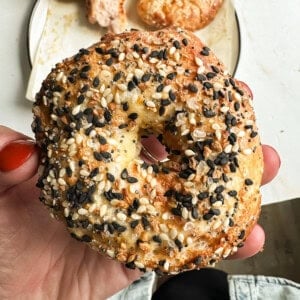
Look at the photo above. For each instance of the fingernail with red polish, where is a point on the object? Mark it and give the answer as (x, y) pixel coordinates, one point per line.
(16, 153)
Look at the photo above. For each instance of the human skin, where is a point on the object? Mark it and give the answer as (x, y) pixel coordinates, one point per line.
(39, 259)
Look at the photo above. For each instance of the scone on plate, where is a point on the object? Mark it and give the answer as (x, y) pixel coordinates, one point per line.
(188, 14)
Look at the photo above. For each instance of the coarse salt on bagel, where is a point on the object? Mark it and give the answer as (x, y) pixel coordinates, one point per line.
(185, 213)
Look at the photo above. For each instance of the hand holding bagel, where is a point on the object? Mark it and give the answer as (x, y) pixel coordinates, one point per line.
(91, 113)
(38, 259)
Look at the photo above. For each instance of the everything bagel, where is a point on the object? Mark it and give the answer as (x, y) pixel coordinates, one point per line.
(89, 116)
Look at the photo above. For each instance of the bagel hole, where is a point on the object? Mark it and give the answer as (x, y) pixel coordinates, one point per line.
(153, 150)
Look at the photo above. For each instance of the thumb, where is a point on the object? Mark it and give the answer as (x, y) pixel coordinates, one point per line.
(18, 158)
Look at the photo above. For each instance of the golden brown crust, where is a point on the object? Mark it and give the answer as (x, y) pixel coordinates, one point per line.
(188, 14)
(191, 211)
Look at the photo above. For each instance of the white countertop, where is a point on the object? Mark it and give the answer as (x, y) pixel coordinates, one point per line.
(269, 63)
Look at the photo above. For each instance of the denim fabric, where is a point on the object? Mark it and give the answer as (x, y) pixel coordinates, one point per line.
(241, 287)
(249, 287)
(141, 289)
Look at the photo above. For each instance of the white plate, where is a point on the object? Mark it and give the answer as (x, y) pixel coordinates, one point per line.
(59, 28)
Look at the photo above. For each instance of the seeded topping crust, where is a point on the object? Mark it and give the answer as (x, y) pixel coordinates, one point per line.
(188, 212)
(188, 14)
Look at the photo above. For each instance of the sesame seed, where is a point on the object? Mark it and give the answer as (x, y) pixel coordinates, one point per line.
(157, 96)
(212, 212)
(100, 50)
(102, 140)
(98, 156)
(125, 106)
(110, 195)
(110, 177)
(86, 68)
(208, 113)
(133, 116)
(203, 195)
(232, 82)
(82, 212)
(185, 42)
(134, 223)
(253, 134)
(176, 211)
(185, 174)
(172, 95)
(150, 103)
(136, 48)
(86, 238)
(176, 44)
(198, 61)
(189, 152)
(242, 234)
(154, 54)
(215, 69)
(205, 51)
(122, 126)
(84, 173)
(107, 115)
(232, 138)
(94, 172)
(232, 167)
(161, 111)
(76, 110)
(83, 75)
(131, 179)
(192, 88)
(146, 77)
(80, 99)
(135, 80)
(172, 50)
(145, 222)
(195, 213)
(219, 189)
(106, 155)
(124, 174)
(145, 50)
(157, 239)
(232, 193)
(71, 79)
(178, 244)
(172, 75)
(121, 216)
(131, 85)
(200, 77)
(121, 56)
(117, 76)
(135, 54)
(165, 102)
(210, 75)
(160, 88)
(109, 61)
(248, 181)
(237, 106)
(207, 85)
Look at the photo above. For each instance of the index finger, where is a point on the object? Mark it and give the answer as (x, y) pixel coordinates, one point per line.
(271, 163)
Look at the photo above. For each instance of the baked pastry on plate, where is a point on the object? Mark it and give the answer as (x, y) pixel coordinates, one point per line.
(188, 14)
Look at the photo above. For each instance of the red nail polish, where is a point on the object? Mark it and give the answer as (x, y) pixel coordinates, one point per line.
(14, 154)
